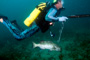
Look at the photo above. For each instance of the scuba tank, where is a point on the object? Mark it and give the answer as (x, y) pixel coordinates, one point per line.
(34, 14)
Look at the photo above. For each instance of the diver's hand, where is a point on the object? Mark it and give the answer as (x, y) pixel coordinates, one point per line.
(63, 18)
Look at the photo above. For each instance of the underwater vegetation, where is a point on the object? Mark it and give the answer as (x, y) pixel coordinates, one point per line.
(74, 47)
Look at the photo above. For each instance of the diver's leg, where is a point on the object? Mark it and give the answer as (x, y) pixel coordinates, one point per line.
(16, 32)
(14, 22)
(12, 29)
(32, 30)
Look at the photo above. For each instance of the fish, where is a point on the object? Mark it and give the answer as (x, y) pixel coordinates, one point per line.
(47, 45)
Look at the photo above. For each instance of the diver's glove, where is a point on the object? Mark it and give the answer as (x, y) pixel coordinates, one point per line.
(63, 18)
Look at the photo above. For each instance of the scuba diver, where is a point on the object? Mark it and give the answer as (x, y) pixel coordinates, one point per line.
(42, 22)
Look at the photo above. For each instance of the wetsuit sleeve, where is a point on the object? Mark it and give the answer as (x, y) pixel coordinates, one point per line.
(50, 16)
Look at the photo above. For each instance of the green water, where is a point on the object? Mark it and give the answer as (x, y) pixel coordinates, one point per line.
(75, 39)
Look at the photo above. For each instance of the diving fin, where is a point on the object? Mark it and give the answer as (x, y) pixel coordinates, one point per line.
(14, 22)
(4, 17)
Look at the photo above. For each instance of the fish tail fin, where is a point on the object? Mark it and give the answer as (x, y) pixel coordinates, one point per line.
(34, 45)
